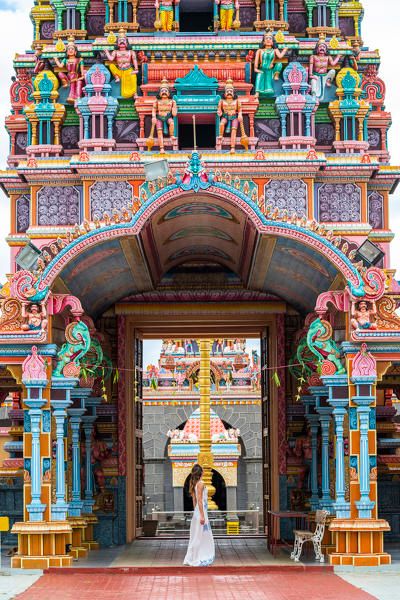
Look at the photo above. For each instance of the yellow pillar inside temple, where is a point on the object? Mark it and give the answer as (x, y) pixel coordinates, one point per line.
(205, 457)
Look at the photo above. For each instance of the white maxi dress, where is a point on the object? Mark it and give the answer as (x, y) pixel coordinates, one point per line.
(201, 549)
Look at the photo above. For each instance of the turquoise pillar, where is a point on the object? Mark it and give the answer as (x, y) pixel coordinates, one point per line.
(88, 422)
(313, 422)
(363, 400)
(325, 415)
(87, 425)
(76, 504)
(339, 400)
(60, 401)
(35, 403)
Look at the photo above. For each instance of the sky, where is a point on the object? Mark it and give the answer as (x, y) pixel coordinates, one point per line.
(380, 30)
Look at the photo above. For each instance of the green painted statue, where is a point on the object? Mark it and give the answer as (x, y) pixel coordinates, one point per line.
(266, 67)
(77, 345)
(319, 341)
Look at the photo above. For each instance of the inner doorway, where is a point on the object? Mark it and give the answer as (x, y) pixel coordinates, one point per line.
(171, 433)
(196, 15)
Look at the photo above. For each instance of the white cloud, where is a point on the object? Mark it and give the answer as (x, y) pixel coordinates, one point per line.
(380, 30)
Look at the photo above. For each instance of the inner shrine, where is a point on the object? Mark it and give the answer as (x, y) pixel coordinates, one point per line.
(204, 173)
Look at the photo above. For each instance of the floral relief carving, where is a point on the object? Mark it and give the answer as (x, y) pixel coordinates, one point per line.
(109, 196)
(375, 210)
(287, 194)
(22, 213)
(58, 205)
(339, 203)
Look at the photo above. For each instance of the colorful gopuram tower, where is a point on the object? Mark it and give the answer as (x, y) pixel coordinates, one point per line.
(198, 170)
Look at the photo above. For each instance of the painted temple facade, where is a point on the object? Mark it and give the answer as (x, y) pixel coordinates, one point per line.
(171, 425)
(198, 170)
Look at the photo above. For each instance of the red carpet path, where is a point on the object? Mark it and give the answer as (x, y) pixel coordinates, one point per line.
(284, 585)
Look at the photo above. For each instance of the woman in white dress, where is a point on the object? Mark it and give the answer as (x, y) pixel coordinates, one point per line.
(201, 550)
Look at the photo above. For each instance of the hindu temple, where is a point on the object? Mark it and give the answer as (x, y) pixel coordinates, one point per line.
(201, 172)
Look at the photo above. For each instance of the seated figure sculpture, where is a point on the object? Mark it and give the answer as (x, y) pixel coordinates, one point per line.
(363, 315)
(322, 69)
(35, 317)
(124, 66)
(162, 117)
(226, 13)
(230, 113)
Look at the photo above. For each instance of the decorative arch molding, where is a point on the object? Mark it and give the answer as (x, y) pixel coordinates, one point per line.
(216, 190)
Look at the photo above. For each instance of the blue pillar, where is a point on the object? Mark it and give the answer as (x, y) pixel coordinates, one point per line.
(325, 414)
(363, 403)
(338, 399)
(88, 502)
(313, 421)
(60, 401)
(76, 504)
(176, 14)
(35, 404)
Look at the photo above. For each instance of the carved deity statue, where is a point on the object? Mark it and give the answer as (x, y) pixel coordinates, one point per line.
(124, 66)
(267, 67)
(322, 69)
(226, 13)
(162, 116)
(363, 315)
(35, 318)
(164, 14)
(230, 113)
(74, 77)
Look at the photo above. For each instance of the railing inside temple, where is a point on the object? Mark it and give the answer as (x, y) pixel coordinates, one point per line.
(177, 523)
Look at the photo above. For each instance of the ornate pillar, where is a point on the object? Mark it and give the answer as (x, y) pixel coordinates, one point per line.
(75, 517)
(313, 422)
(205, 457)
(338, 399)
(60, 401)
(76, 504)
(359, 539)
(42, 543)
(87, 426)
(325, 414)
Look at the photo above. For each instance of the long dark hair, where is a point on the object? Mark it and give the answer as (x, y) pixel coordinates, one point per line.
(195, 476)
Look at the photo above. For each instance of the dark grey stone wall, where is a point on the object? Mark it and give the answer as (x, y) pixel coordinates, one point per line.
(157, 420)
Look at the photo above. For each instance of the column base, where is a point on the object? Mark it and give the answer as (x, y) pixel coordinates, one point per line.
(88, 536)
(359, 542)
(342, 509)
(42, 545)
(78, 524)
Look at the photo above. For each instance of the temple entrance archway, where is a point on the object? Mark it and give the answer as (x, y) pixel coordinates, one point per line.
(197, 263)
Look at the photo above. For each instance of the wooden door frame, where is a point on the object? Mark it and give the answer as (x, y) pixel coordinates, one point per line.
(144, 318)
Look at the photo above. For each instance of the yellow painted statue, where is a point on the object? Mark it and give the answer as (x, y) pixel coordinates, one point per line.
(124, 66)
(164, 14)
(226, 13)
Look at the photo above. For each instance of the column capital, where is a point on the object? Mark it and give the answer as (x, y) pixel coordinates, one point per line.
(60, 405)
(335, 380)
(75, 415)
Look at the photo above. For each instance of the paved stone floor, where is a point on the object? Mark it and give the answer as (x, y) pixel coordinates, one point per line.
(243, 570)
(295, 585)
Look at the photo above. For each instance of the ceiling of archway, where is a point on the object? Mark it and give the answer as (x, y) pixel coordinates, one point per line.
(197, 242)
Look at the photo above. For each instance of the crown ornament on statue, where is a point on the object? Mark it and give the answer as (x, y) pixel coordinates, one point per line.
(164, 86)
(229, 85)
